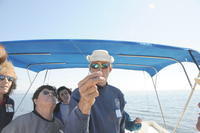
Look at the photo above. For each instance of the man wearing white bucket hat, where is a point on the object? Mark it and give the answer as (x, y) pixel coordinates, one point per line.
(96, 106)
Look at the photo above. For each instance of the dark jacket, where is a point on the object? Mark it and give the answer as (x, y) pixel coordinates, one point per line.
(6, 112)
(106, 116)
(57, 112)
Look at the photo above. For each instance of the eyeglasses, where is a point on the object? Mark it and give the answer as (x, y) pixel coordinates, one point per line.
(97, 66)
(45, 92)
(2, 77)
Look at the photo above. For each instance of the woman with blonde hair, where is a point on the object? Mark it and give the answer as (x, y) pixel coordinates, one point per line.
(7, 85)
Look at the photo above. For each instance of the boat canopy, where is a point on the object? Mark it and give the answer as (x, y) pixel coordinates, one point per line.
(39, 55)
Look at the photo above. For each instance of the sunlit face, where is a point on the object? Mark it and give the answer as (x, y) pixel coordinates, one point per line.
(5, 83)
(46, 99)
(104, 67)
(64, 96)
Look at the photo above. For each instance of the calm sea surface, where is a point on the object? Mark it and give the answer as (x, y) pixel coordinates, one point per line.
(145, 105)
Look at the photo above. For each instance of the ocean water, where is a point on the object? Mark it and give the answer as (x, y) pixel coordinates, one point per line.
(145, 105)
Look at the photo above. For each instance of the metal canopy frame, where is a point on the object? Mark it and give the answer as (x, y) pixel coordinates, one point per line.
(118, 64)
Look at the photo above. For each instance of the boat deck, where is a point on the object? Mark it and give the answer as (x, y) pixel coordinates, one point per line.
(150, 127)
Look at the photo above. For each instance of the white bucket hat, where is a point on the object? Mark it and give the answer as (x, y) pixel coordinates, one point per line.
(100, 55)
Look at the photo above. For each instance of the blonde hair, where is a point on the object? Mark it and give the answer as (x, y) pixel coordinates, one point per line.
(3, 54)
(7, 69)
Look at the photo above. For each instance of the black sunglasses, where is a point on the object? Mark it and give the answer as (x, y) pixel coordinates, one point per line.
(97, 66)
(45, 92)
(2, 77)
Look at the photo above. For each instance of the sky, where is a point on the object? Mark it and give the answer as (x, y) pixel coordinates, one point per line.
(170, 22)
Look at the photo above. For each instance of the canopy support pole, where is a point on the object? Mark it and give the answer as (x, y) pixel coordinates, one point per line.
(191, 93)
(155, 88)
(186, 105)
(169, 58)
(29, 77)
(196, 63)
(45, 76)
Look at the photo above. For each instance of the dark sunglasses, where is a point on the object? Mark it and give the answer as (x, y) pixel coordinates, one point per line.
(2, 77)
(45, 92)
(97, 66)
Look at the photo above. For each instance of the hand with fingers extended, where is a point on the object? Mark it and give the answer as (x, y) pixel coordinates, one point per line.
(88, 91)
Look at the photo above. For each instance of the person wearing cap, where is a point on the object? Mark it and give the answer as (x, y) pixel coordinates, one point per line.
(96, 106)
(61, 110)
(41, 119)
(197, 80)
(7, 85)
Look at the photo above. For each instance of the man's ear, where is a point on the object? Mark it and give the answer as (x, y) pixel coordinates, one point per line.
(90, 70)
(110, 69)
(35, 101)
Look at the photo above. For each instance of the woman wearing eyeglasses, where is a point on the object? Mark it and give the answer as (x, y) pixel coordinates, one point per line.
(62, 108)
(7, 85)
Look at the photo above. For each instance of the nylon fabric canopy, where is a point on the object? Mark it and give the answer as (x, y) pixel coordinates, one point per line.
(38, 55)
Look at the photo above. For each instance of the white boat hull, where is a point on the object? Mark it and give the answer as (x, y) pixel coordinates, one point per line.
(150, 127)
